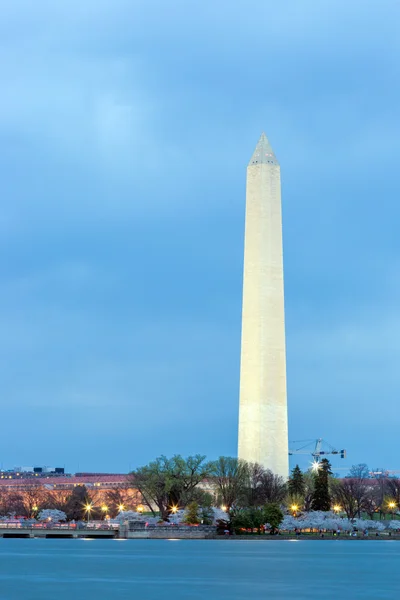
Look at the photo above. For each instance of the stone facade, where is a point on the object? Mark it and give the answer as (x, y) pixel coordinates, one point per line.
(137, 530)
(263, 433)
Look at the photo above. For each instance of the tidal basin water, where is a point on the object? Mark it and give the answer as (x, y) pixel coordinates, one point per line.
(34, 569)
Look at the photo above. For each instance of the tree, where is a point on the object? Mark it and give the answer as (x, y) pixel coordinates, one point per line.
(343, 492)
(273, 516)
(254, 493)
(168, 483)
(296, 483)
(231, 477)
(273, 488)
(380, 481)
(192, 514)
(121, 495)
(360, 487)
(360, 471)
(294, 503)
(321, 499)
(75, 506)
(58, 499)
(53, 515)
(393, 490)
(309, 486)
(263, 486)
(10, 502)
(247, 518)
(32, 500)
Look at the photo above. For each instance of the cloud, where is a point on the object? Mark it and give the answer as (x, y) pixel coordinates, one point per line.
(125, 130)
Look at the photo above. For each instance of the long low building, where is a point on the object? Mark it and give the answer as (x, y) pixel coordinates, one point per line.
(65, 482)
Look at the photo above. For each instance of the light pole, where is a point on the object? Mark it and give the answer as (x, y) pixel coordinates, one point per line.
(88, 508)
(392, 506)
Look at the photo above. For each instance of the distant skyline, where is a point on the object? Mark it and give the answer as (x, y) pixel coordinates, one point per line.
(125, 131)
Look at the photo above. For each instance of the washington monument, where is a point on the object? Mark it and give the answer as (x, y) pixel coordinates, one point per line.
(263, 431)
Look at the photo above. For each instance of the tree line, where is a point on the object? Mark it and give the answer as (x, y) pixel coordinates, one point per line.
(30, 501)
(247, 492)
(239, 486)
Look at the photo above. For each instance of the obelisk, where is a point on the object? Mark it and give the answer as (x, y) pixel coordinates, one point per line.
(263, 430)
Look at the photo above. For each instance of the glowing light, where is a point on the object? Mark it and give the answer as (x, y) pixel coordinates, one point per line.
(392, 504)
(104, 508)
(315, 466)
(121, 507)
(294, 508)
(88, 507)
(140, 509)
(35, 507)
(224, 508)
(174, 509)
(337, 508)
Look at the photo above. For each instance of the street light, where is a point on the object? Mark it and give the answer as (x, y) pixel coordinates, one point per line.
(88, 508)
(224, 508)
(140, 508)
(336, 508)
(392, 505)
(104, 509)
(174, 509)
(294, 508)
(121, 507)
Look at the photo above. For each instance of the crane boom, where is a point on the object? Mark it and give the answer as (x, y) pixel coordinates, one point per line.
(316, 452)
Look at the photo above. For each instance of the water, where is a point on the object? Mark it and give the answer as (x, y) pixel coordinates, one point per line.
(198, 569)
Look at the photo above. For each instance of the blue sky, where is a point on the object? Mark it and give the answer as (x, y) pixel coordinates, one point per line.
(125, 131)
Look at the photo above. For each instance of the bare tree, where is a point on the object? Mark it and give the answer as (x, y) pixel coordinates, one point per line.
(32, 499)
(254, 488)
(273, 488)
(57, 499)
(10, 502)
(231, 477)
(122, 497)
(309, 485)
(343, 492)
(393, 489)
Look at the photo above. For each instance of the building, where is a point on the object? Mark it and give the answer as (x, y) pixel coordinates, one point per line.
(263, 431)
(67, 482)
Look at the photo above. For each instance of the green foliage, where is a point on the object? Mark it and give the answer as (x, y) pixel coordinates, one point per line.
(321, 499)
(170, 482)
(75, 505)
(296, 482)
(206, 512)
(192, 515)
(292, 501)
(273, 516)
(207, 515)
(247, 518)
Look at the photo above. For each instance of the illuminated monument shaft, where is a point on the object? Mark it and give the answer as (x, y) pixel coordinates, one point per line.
(263, 431)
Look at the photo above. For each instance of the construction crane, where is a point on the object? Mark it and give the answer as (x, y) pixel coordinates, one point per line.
(384, 473)
(316, 448)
